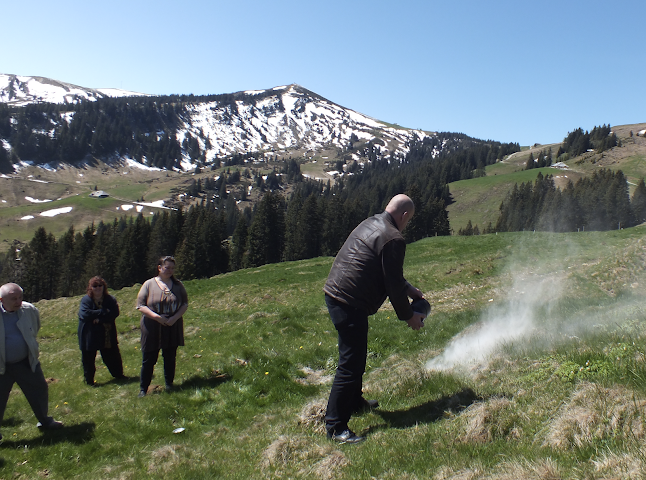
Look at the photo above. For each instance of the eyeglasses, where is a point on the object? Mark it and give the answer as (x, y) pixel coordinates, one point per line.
(97, 286)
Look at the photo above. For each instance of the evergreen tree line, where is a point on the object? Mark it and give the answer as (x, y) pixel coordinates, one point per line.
(214, 236)
(578, 142)
(124, 252)
(137, 126)
(543, 159)
(598, 202)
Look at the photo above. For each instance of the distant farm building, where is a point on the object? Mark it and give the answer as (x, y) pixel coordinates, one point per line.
(99, 194)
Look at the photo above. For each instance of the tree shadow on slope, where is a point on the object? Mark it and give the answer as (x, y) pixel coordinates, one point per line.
(430, 411)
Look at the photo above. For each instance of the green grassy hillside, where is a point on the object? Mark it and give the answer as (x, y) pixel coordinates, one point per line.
(479, 199)
(544, 334)
(69, 187)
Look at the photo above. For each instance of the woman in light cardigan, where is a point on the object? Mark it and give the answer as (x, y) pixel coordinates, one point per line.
(162, 301)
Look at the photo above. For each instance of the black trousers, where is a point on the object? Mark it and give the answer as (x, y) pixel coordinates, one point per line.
(32, 384)
(149, 359)
(352, 327)
(110, 356)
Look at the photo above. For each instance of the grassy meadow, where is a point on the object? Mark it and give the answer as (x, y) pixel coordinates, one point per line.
(479, 199)
(538, 370)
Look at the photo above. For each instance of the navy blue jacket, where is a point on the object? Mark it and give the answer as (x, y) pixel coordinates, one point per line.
(95, 336)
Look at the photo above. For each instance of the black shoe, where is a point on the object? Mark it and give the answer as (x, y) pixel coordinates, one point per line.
(142, 393)
(51, 425)
(169, 388)
(346, 436)
(366, 405)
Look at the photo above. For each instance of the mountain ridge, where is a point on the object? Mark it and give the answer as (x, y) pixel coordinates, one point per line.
(21, 90)
(284, 121)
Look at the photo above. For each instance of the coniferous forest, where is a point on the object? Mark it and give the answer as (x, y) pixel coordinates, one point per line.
(598, 202)
(214, 236)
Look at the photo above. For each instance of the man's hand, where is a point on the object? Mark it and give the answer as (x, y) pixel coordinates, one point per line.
(414, 292)
(416, 321)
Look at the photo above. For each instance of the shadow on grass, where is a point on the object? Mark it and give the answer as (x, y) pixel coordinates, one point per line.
(76, 434)
(125, 380)
(430, 411)
(197, 381)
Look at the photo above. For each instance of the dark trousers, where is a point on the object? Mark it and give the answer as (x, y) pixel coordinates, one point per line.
(149, 359)
(32, 384)
(352, 327)
(110, 356)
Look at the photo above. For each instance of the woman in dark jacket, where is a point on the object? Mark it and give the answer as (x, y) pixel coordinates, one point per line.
(98, 331)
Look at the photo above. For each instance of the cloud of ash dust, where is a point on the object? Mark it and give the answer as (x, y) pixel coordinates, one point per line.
(520, 316)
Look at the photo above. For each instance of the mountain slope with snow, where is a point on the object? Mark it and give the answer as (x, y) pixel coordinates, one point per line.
(283, 121)
(23, 90)
(285, 118)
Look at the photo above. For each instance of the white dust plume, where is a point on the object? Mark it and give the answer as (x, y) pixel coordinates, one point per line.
(512, 320)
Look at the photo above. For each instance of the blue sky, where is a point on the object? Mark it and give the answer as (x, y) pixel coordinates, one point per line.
(513, 71)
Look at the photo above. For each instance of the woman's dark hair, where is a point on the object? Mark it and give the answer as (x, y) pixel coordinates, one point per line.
(96, 281)
(164, 259)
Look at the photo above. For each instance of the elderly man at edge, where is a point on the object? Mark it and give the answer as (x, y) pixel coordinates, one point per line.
(19, 355)
(367, 269)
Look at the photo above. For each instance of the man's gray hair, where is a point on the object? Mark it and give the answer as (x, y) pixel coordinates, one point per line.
(8, 288)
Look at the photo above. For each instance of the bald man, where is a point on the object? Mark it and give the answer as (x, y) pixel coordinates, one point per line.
(19, 324)
(368, 268)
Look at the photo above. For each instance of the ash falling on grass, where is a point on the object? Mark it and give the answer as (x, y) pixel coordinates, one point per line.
(542, 311)
(514, 320)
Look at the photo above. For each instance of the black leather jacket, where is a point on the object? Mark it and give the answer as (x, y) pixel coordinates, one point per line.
(370, 267)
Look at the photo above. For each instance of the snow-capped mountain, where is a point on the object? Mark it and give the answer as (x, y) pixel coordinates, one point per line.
(283, 121)
(285, 118)
(23, 90)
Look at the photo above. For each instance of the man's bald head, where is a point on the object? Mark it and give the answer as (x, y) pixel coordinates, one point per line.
(401, 208)
(11, 296)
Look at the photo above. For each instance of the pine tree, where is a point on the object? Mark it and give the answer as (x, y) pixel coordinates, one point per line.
(70, 266)
(468, 230)
(238, 244)
(417, 226)
(333, 230)
(102, 258)
(310, 228)
(293, 246)
(638, 202)
(12, 266)
(41, 268)
(267, 231)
